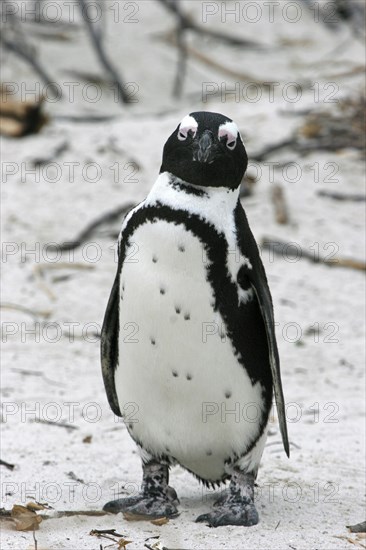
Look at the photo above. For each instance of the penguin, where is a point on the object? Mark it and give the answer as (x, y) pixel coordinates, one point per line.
(188, 346)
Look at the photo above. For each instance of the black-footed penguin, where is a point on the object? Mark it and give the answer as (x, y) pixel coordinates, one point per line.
(189, 353)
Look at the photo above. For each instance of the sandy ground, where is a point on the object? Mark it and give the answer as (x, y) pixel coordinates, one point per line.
(51, 369)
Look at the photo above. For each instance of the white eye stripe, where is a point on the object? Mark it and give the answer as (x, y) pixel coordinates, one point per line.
(188, 124)
(230, 131)
(183, 133)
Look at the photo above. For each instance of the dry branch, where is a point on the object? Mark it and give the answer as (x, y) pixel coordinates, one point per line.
(203, 58)
(90, 229)
(96, 40)
(187, 23)
(53, 423)
(282, 248)
(7, 464)
(335, 195)
(6, 514)
(27, 55)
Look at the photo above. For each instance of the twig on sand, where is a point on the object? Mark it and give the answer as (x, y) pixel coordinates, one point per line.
(39, 272)
(96, 532)
(262, 155)
(335, 195)
(283, 248)
(53, 423)
(60, 514)
(7, 464)
(87, 233)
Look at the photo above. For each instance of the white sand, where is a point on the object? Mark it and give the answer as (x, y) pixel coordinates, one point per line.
(304, 502)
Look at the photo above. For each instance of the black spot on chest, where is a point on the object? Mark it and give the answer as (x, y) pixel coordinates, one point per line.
(243, 323)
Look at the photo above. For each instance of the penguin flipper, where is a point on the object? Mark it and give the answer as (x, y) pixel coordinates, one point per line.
(258, 281)
(265, 303)
(109, 345)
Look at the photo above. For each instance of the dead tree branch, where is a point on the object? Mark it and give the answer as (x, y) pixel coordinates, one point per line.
(186, 23)
(90, 229)
(96, 39)
(28, 56)
(282, 248)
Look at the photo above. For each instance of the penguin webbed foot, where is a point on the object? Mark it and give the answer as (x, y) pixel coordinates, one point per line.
(156, 500)
(154, 506)
(240, 513)
(121, 504)
(236, 505)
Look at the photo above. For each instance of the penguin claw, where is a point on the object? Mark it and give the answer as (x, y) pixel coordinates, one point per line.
(121, 504)
(238, 514)
(152, 507)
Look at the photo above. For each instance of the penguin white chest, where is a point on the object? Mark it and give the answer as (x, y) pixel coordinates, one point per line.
(180, 386)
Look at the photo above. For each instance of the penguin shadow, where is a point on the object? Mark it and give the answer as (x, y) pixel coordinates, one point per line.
(201, 501)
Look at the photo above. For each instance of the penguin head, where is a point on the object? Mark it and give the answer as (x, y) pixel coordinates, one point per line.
(206, 149)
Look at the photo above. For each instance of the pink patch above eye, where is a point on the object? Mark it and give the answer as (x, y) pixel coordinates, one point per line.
(183, 131)
(224, 133)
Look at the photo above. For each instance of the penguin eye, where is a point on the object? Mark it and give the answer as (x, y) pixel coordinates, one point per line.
(231, 144)
(184, 131)
(230, 139)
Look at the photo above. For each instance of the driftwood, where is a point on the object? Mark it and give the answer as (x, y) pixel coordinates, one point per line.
(335, 195)
(262, 155)
(20, 118)
(279, 204)
(90, 229)
(90, 119)
(182, 57)
(96, 532)
(28, 55)
(339, 12)
(205, 59)
(343, 128)
(7, 464)
(186, 23)
(58, 150)
(282, 248)
(17, 45)
(6, 514)
(322, 131)
(58, 424)
(96, 40)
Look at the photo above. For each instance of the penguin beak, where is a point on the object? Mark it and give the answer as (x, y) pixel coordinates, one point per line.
(204, 148)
